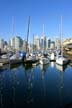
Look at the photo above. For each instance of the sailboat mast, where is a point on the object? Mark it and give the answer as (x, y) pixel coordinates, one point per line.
(43, 29)
(28, 34)
(61, 37)
(33, 42)
(12, 25)
(43, 36)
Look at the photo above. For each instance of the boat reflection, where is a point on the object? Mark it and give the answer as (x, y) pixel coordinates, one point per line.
(61, 85)
(61, 68)
(27, 66)
(15, 66)
(44, 67)
(4, 67)
(70, 64)
(43, 73)
(61, 88)
(52, 64)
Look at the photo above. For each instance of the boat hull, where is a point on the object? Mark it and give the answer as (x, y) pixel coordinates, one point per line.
(61, 61)
(44, 61)
(52, 57)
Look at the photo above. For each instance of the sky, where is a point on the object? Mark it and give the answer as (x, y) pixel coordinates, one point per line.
(14, 18)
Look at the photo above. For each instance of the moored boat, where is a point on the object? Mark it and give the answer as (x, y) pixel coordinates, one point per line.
(44, 60)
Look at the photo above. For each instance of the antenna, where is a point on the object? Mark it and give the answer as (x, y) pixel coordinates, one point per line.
(61, 27)
(61, 36)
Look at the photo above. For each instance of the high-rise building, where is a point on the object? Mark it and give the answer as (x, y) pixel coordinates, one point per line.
(37, 42)
(18, 43)
(48, 43)
(1, 43)
(43, 42)
(24, 45)
(12, 43)
(52, 45)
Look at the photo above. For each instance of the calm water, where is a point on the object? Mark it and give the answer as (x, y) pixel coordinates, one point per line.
(40, 86)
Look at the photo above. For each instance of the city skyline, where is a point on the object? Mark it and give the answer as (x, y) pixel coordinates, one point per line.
(45, 12)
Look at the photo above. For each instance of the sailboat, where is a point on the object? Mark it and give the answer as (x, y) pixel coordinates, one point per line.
(27, 50)
(43, 59)
(60, 59)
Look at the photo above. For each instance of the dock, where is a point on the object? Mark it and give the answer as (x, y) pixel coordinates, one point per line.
(30, 61)
(3, 61)
(13, 62)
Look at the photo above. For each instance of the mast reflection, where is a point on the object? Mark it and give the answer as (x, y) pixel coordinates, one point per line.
(1, 89)
(61, 70)
(43, 72)
(29, 74)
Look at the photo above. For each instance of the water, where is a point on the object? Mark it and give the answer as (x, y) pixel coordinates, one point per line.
(48, 86)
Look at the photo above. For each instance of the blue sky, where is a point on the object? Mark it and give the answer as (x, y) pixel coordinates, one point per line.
(45, 12)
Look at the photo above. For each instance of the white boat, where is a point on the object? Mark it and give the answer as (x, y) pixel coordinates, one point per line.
(4, 56)
(60, 59)
(16, 56)
(44, 60)
(33, 56)
(52, 56)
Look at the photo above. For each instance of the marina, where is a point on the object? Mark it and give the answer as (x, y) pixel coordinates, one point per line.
(35, 53)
